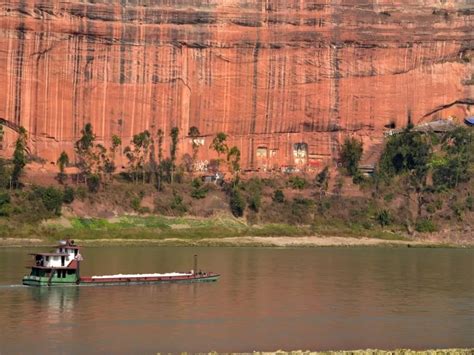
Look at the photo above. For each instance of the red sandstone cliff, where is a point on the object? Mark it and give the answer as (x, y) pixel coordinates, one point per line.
(270, 73)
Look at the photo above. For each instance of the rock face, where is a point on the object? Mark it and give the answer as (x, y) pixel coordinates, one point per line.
(286, 79)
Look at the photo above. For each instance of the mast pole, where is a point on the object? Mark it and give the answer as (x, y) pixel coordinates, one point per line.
(78, 272)
(195, 263)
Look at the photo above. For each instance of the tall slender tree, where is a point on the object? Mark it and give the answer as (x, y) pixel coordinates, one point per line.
(19, 157)
(159, 175)
(194, 134)
(173, 149)
(62, 162)
(139, 156)
(116, 142)
(219, 145)
(85, 152)
(2, 133)
(233, 161)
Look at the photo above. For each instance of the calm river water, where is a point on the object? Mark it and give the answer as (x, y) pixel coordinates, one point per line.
(266, 299)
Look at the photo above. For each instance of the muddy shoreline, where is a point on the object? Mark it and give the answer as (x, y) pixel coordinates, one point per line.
(250, 241)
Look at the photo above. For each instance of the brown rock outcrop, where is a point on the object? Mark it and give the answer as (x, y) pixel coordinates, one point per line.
(271, 73)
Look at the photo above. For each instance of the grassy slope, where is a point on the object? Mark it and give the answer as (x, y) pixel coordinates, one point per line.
(186, 228)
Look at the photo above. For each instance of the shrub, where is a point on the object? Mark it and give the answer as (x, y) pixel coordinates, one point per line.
(68, 195)
(358, 178)
(81, 192)
(4, 198)
(93, 183)
(135, 203)
(351, 153)
(237, 203)
(255, 201)
(278, 196)
(470, 203)
(384, 218)
(450, 173)
(458, 209)
(199, 190)
(177, 203)
(51, 198)
(323, 206)
(5, 207)
(425, 225)
(297, 183)
(405, 152)
(431, 208)
(389, 197)
(322, 179)
(254, 188)
(301, 211)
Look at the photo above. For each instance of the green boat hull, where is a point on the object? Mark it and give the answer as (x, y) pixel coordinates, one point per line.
(46, 281)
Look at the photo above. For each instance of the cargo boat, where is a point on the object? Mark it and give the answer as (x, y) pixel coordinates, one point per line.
(62, 268)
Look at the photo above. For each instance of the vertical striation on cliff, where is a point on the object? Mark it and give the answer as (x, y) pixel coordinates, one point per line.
(286, 79)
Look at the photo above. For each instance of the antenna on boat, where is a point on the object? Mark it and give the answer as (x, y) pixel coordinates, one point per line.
(195, 263)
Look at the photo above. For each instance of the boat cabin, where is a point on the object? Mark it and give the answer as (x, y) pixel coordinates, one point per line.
(64, 256)
(60, 266)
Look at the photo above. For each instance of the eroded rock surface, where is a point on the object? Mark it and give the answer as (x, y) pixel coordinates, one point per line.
(270, 73)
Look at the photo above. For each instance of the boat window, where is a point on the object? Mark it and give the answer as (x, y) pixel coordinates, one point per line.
(47, 258)
(75, 252)
(62, 260)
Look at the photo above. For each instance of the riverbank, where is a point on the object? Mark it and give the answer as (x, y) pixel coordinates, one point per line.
(366, 352)
(245, 241)
(220, 231)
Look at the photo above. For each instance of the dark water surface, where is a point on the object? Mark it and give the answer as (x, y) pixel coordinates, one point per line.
(266, 299)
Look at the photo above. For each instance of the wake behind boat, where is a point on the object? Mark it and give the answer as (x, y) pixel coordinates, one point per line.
(62, 268)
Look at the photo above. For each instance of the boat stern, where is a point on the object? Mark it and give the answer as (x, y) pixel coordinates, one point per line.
(30, 280)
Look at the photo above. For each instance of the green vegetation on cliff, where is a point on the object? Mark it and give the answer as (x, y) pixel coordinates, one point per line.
(422, 184)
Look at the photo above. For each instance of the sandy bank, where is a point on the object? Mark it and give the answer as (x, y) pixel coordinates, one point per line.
(308, 241)
(367, 352)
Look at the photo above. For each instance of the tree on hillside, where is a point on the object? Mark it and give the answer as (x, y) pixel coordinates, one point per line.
(4, 172)
(173, 149)
(108, 159)
(84, 150)
(194, 134)
(101, 161)
(138, 157)
(19, 158)
(2, 133)
(233, 161)
(408, 154)
(159, 173)
(453, 164)
(146, 141)
(351, 153)
(322, 180)
(62, 162)
(132, 162)
(116, 142)
(219, 145)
